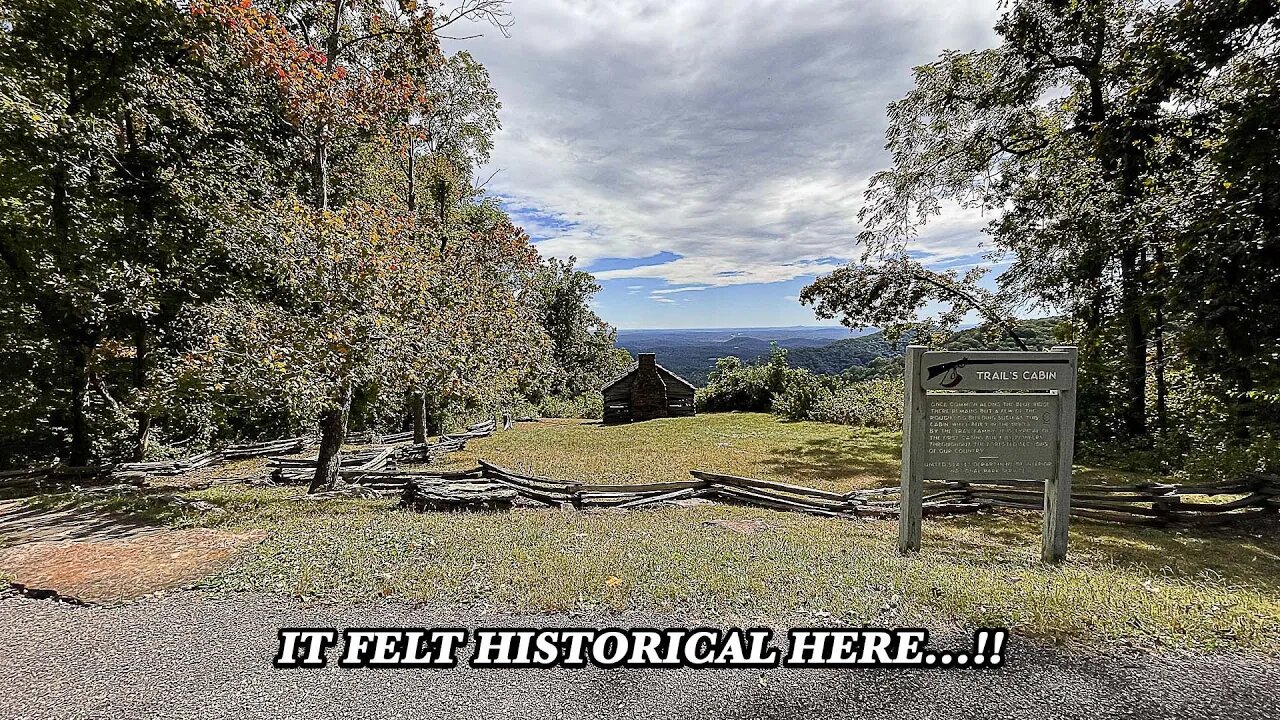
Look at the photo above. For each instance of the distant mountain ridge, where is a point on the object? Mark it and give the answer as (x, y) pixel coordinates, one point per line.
(692, 354)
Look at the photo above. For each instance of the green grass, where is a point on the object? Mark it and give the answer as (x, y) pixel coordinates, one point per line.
(1159, 588)
(831, 457)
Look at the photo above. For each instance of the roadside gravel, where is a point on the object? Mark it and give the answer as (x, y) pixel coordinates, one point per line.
(198, 655)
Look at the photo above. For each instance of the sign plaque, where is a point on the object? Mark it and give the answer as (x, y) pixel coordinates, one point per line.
(989, 416)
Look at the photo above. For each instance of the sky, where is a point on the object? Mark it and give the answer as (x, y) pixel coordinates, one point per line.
(706, 160)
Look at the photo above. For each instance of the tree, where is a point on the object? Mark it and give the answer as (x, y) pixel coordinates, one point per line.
(348, 72)
(121, 144)
(1063, 133)
(885, 294)
(481, 345)
(1219, 205)
(344, 67)
(582, 344)
(351, 287)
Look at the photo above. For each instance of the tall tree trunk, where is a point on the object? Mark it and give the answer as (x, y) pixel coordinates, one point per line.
(333, 430)
(1135, 342)
(433, 415)
(81, 444)
(322, 173)
(418, 400)
(79, 346)
(1162, 386)
(141, 357)
(412, 174)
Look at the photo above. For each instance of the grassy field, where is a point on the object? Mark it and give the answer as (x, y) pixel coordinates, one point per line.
(751, 444)
(1159, 588)
(759, 445)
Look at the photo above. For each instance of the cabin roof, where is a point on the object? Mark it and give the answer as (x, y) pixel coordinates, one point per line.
(636, 366)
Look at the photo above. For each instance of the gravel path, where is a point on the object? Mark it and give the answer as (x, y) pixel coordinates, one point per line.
(192, 655)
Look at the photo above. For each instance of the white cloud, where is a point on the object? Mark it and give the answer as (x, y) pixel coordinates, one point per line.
(738, 137)
(668, 291)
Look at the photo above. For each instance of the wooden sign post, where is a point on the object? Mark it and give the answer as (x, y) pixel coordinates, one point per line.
(989, 416)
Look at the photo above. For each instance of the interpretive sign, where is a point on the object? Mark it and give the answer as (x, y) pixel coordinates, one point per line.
(982, 416)
(975, 436)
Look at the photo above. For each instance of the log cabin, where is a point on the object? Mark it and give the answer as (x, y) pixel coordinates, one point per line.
(647, 391)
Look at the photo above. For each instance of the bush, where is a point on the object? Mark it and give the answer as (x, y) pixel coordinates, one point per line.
(748, 388)
(799, 394)
(871, 403)
(802, 391)
(588, 405)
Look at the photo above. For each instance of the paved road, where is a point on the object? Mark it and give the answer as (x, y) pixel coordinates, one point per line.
(192, 655)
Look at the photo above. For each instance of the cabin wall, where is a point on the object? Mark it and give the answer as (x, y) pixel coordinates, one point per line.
(617, 402)
(679, 397)
(617, 399)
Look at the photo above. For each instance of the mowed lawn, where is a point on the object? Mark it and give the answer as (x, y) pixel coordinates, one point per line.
(758, 445)
(1159, 588)
(720, 563)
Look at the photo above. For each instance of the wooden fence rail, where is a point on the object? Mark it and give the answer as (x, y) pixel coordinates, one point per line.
(1140, 503)
(1153, 503)
(381, 461)
(426, 490)
(136, 473)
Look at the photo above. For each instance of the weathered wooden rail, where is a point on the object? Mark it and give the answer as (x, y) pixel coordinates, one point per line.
(1151, 503)
(1137, 503)
(425, 490)
(379, 461)
(136, 473)
(352, 465)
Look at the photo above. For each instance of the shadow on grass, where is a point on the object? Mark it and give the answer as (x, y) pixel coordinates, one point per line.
(22, 523)
(1247, 552)
(863, 459)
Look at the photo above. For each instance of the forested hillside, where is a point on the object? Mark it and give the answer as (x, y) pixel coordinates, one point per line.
(693, 354)
(1124, 155)
(234, 219)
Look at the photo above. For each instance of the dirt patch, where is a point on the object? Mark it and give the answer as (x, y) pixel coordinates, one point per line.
(740, 526)
(112, 570)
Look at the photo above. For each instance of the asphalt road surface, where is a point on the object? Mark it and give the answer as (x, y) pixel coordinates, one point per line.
(192, 655)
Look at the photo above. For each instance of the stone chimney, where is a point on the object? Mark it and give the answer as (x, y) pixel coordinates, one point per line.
(648, 390)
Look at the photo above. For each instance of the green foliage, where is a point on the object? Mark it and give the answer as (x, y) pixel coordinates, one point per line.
(798, 394)
(747, 388)
(802, 392)
(1036, 334)
(208, 231)
(1125, 152)
(122, 149)
(582, 344)
(873, 403)
(856, 354)
(588, 406)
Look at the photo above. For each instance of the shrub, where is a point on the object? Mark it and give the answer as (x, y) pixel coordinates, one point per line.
(871, 403)
(588, 405)
(802, 391)
(749, 388)
(798, 394)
